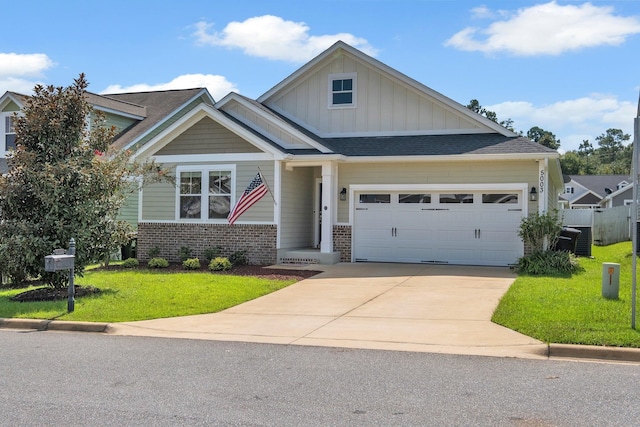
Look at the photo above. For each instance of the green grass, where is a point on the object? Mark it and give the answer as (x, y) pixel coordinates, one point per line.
(145, 294)
(571, 309)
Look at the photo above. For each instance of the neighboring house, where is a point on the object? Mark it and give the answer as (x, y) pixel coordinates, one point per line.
(363, 164)
(621, 197)
(137, 117)
(594, 191)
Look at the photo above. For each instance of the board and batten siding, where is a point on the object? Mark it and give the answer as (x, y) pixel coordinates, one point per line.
(207, 137)
(489, 172)
(383, 104)
(296, 212)
(159, 199)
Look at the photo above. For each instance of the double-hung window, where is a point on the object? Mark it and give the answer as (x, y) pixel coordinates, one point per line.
(205, 193)
(342, 90)
(10, 132)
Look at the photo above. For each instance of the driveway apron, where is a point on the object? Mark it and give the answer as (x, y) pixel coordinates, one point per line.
(407, 307)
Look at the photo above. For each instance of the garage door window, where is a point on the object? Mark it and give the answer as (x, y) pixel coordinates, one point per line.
(375, 198)
(500, 198)
(456, 198)
(415, 198)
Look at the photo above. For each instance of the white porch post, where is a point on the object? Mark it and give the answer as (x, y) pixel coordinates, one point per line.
(329, 172)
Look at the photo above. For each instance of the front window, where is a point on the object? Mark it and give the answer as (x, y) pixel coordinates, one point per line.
(342, 90)
(208, 188)
(219, 194)
(10, 133)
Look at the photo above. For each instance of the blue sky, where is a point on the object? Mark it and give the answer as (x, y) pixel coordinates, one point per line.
(569, 67)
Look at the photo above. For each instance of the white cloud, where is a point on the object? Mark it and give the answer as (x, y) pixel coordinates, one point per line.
(572, 120)
(19, 72)
(547, 29)
(274, 38)
(218, 86)
(16, 64)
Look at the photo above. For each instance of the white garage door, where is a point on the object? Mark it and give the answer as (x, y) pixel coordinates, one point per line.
(474, 227)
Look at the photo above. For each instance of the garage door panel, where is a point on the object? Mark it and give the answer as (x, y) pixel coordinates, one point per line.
(465, 233)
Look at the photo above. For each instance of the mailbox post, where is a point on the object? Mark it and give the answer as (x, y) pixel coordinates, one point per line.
(60, 261)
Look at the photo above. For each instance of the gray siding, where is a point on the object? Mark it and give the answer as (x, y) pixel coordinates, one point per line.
(207, 137)
(129, 210)
(159, 200)
(383, 103)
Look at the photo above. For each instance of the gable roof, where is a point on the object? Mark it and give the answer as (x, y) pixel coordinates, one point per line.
(341, 47)
(599, 184)
(159, 106)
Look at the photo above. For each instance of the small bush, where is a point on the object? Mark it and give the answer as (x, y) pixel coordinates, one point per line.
(158, 263)
(211, 253)
(184, 253)
(130, 263)
(548, 263)
(239, 258)
(220, 264)
(191, 264)
(154, 252)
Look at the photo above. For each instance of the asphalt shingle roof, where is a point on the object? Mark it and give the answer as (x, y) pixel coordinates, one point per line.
(434, 145)
(158, 105)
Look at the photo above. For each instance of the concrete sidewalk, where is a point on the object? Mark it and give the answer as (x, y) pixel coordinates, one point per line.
(427, 308)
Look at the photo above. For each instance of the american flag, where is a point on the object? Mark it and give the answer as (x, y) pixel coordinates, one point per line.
(254, 192)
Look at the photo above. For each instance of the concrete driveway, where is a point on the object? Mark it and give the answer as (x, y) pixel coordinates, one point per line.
(408, 307)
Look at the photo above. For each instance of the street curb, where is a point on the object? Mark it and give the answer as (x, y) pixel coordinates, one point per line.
(53, 325)
(621, 354)
(566, 351)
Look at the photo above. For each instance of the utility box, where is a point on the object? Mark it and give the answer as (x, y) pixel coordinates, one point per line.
(610, 280)
(58, 262)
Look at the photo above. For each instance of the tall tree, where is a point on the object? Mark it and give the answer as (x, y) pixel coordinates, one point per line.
(63, 182)
(611, 143)
(543, 137)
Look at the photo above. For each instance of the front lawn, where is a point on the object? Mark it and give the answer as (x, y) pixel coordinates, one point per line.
(129, 295)
(571, 309)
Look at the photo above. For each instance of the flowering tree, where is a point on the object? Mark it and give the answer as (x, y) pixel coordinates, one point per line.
(64, 182)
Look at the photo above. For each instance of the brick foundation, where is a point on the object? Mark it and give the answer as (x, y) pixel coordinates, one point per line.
(259, 241)
(342, 241)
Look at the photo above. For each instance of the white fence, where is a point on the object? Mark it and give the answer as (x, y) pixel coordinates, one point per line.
(611, 225)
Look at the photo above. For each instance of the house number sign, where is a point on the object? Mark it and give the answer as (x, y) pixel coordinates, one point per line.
(541, 189)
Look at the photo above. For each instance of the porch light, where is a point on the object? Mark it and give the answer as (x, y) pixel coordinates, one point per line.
(343, 194)
(533, 194)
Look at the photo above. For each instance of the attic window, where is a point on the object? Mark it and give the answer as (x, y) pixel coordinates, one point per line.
(342, 90)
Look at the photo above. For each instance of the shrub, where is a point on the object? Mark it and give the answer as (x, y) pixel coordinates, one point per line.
(538, 229)
(154, 252)
(220, 264)
(158, 263)
(211, 253)
(130, 263)
(191, 264)
(184, 253)
(548, 263)
(239, 258)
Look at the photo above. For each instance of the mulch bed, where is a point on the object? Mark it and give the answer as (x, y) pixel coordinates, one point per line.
(51, 294)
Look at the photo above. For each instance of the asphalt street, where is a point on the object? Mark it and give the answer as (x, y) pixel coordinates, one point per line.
(63, 378)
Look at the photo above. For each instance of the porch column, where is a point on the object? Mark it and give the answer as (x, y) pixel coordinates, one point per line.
(329, 172)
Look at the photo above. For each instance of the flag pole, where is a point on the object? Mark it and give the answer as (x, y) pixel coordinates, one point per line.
(267, 184)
